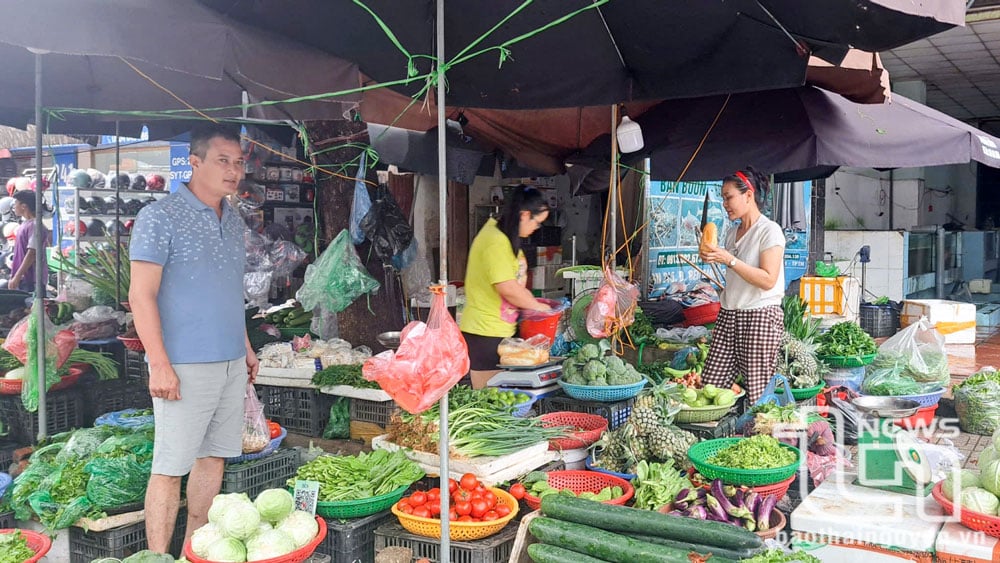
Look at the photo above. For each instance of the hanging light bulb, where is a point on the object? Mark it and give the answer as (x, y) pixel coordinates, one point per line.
(629, 136)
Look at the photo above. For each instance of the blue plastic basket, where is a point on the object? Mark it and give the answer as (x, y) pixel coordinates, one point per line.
(589, 464)
(118, 419)
(522, 408)
(603, 393)
(925, 399)
(270, 449)
(5, 481)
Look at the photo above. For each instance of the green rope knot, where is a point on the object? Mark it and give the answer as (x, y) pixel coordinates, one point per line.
(504, 55)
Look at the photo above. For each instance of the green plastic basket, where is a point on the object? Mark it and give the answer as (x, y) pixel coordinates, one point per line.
(807, 392)
(847, 361)
(700, 453)
(707, 413)
(359, 508)
(603, 393)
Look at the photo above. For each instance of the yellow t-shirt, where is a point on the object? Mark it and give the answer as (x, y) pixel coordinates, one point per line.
(491, 261)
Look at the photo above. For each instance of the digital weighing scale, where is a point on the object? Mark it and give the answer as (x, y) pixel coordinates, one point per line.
(541, 375)
(889, 457)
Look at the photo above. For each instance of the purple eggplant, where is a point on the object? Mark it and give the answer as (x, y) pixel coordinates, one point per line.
(719, 494)
(682, 495)
(698, 512)
(729, 490)
(764, 512)
(681, 505)
(738, 499)
(751, 501)
(750, 524)
(702, 493)
(715, 510)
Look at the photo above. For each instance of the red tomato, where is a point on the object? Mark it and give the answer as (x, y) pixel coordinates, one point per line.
(517, 491)
(466, 518)
(479, 507)
(491, 515)
(422, 512)
(469, 482)
(502, 510)
(433, 494)
(403, 502)
(452, 515)
(434, 508)
(480, 488)
(418, 498)
(461, 495)
(452, 485)
(407, 509)
(490, 497)
(463, 508)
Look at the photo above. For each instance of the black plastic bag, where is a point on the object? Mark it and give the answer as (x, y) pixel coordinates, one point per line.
(386, 226)
(847, 424)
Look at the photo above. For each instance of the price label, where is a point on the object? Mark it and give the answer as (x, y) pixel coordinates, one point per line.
(306, 494)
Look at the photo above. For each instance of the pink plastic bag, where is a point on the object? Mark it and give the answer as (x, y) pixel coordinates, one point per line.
(613, 307)
(64, 341)
(430, 360)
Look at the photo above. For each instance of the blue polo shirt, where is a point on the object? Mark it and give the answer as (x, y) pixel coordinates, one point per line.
(201, 291)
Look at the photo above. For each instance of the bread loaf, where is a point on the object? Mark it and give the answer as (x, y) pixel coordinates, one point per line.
(709, 238)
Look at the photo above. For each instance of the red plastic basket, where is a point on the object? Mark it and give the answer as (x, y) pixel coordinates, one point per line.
(13, 386)
(39, 543)
(591, 427)
(580, 481)
(990, 525)
(297, 556)
(700, 315)
(778, 489)
(924, 418)
(133, 344)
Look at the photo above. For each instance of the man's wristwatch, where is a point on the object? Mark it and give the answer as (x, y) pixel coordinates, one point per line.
(732, 262)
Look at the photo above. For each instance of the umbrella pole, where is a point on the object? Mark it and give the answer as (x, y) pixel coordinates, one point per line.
(445, 551)
(38, 305)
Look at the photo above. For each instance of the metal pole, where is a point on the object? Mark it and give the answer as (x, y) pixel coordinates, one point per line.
(939, 276)
(40, 282)
(443, 275)
(118, 207)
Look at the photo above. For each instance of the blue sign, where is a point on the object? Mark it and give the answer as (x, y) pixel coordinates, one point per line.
(180, 166)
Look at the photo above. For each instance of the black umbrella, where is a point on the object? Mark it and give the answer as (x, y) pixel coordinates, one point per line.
(609, 52)
(791, 130)
(113, 54)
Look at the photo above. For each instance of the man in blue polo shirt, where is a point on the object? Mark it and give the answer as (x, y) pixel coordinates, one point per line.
(186, 294)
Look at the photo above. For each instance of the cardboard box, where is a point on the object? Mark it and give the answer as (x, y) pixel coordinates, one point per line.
(980, 286)
(955, 320)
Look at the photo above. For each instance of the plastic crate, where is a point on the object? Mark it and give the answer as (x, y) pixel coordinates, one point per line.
(722, 428)
(302, 411)
(115, 395)
(135, 366)
(616, 413)
(119, 542)
(7, 455)
(494, 549)
(375, 412)
(878, 320)
(353, 540)
(64, 411)
(254, 476)
(7, 520)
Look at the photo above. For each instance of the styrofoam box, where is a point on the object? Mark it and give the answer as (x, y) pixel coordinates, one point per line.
(980, 286)
(958, 544)
(839, 512)
(957, 320)
(988, 315)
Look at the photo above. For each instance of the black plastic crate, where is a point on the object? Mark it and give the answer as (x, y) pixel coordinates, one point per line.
(494, 549)
(303, 411)
(616, 413)
(254, 476)
(7, 520)
(134, 367)
(7, 455)
(64, 411)
(375, 412)
(119, 542)
(115, 395)
(353, 540)
(722, 428)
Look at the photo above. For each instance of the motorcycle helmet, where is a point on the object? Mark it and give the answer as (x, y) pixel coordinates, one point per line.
(95, 204)
(7, 209)
(22, 184)
(82, 203)
(9, 231)
(10, 186)
(113, 203)
(138, 183)
(120, 182)
(45, 184)
(149, 200)
(80, 179)
(76, 228)
(97, 179)
(156, 183)
(96, 228)
(115, 227)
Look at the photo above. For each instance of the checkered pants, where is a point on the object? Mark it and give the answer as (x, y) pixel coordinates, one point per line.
(745, 342)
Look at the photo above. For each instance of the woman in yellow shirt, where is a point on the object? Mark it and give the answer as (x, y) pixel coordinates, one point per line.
(495, 281)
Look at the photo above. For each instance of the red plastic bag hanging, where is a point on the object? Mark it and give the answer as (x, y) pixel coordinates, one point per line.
(430, 360)
(613, 307)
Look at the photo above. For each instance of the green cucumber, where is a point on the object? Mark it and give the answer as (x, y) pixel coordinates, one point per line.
(301, 320)
(623, 519)
(545, 553)
(605, 545)
(736, 554)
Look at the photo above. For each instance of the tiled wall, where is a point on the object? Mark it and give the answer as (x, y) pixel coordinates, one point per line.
(887, 270)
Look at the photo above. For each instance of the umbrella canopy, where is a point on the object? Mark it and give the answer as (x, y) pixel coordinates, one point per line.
(803, 128)
(607, 53)
(205, 59)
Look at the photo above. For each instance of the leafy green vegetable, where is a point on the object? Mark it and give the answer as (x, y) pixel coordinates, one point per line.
(14, 548)
(977, 401)
(778, 555)
(359, 477)
(641, 328)
(846, 339)
(346, 374)
(757, 452)
(657, 484)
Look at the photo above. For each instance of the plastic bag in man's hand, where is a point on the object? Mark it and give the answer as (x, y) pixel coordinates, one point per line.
(430, 360)
(256, 435)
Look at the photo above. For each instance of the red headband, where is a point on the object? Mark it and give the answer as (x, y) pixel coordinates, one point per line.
(746, 181)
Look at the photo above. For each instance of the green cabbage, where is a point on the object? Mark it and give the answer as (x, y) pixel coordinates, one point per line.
(988, 454)
(300, 526)
(221, 503)
(967, 479)
(203, 537)
(989, 476)
(227, 550)
(274, 504)
(272, 543)
(980, 500)
(147, 556)
(240, 520)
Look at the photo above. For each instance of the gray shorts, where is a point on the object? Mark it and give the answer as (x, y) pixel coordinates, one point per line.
(206, 422)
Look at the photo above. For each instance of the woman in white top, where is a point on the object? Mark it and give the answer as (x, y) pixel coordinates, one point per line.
(750, 326)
